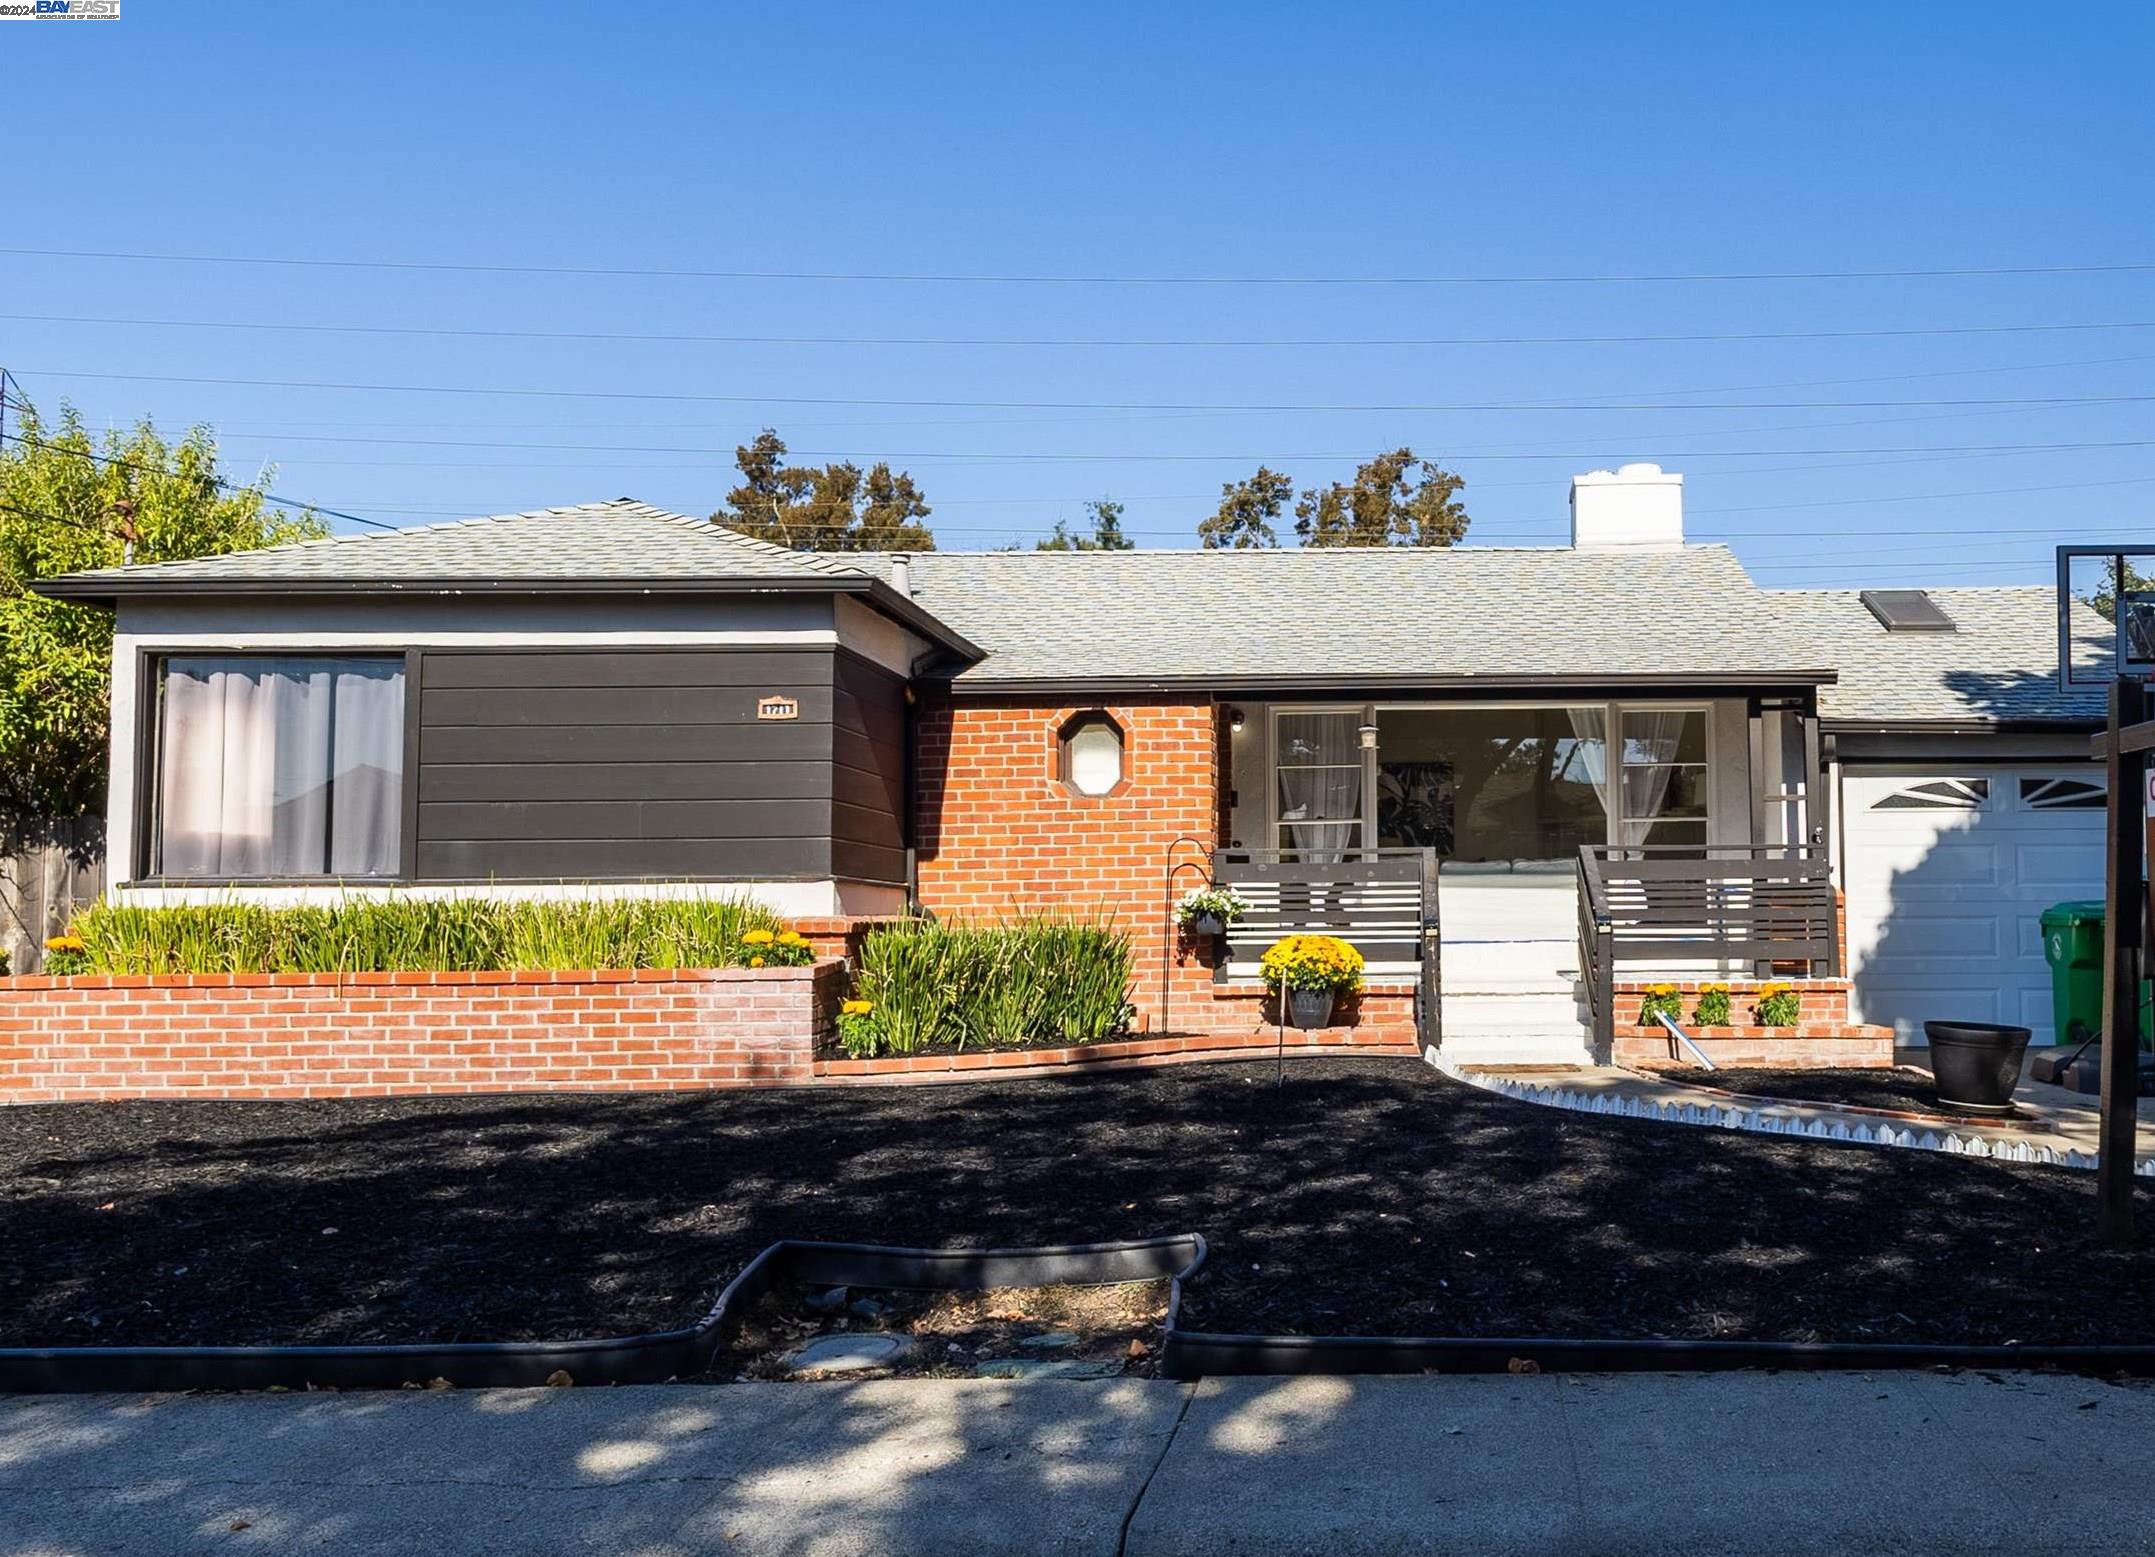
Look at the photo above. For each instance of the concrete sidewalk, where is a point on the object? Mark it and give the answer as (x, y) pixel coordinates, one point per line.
(1733, 1463)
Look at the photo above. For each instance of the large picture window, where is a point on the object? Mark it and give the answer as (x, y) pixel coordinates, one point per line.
(1493, 784)
(279, 766)
(1489, 783)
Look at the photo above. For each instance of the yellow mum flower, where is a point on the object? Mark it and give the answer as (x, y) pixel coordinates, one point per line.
(758, 938)
(856, 1008)
(755, 962)
(793, 938)
(64, 943)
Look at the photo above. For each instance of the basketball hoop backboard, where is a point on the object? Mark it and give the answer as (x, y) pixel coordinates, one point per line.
(2106, 614)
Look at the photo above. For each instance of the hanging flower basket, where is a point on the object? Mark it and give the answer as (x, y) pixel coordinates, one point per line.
(1210, 910)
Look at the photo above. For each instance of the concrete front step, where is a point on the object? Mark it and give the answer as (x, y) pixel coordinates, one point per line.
(1517, 1049)
(1517, 1022)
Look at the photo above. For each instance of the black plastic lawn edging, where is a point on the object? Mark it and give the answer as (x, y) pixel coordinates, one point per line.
(1184, 1354)
(1190, 1354)
(651, 1358)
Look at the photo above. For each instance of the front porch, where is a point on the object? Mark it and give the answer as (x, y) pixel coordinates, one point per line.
(1549, 861)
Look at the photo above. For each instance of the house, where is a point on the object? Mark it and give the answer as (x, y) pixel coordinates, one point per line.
(1597, 741)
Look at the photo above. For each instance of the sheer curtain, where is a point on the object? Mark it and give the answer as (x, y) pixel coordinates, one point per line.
(280, 767)
(1588, 761)
(1651, 741)
(1320, 778)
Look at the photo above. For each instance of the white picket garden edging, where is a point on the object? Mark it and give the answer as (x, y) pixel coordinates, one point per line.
(1770, 1120)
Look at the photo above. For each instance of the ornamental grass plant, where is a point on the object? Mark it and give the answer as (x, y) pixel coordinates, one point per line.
(1037, 979)
(439, 935)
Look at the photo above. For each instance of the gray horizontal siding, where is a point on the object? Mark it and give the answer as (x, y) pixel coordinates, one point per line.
(621, 764)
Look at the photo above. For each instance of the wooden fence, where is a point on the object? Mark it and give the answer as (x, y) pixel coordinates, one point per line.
(47, 871)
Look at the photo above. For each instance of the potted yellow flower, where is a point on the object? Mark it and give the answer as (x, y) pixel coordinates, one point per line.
(1309, 973)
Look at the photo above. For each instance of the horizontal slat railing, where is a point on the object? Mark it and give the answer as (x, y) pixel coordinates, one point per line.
(1726, 903)
(1382, 902)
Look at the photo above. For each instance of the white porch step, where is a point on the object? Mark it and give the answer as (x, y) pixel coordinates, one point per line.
(1516, 1022)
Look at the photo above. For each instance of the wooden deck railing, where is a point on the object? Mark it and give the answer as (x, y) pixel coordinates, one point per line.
(1673, 908)
(1383, 902)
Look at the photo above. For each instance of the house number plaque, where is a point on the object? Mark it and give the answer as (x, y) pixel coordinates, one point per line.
(778, 708)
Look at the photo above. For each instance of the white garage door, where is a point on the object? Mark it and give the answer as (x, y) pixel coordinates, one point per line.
(1947, 874)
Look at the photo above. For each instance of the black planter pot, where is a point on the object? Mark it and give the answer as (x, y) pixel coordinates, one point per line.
(1208, 924)
(1977, 1064)
(1308, 1008)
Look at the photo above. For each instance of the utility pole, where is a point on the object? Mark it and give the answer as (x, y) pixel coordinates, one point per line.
(2124, 910)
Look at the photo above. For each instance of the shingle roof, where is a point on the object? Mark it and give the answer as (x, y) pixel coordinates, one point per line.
(621, 539)
(1390, 613)
(1384, 614)
(2000, 663)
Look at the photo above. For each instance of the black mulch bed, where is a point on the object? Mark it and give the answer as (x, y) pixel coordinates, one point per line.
(1366, 1195)
(1908, 1091)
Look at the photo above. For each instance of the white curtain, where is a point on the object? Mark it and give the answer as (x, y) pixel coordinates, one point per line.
(1652, 739)
(1320, 778)
(280, 767)
(1588, 761)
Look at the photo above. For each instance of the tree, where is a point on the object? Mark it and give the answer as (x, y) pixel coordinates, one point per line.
(1385, 506)
(1247, 513)
(67, 505)
(2103, 599)
(832, 508)
(1107, 534)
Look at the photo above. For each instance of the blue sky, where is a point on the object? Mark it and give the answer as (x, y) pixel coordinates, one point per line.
(1142, 141)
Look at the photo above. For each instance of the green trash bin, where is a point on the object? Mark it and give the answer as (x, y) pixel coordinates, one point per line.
(2073, 946)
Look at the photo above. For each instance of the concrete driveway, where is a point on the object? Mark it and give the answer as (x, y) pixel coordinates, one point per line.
(1734, 1463)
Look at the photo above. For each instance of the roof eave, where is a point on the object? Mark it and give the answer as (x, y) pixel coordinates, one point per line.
(1962, 724)
(1253, 686)
(108, 591)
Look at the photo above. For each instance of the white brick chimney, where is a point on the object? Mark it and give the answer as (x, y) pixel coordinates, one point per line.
(1631, 508)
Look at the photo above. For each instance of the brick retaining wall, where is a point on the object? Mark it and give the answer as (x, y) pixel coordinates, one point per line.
(1825, 1036)
(295, 1035)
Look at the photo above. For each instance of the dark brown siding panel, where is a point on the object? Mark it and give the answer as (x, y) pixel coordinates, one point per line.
(623, 819)
(650, 764)
(444, 783)
(618, 743)
(868, 778)
(658, 859)
(768, 670)
(552, 707)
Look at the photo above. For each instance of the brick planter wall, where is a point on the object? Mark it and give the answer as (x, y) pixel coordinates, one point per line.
(1824, 1036)
(294, 1035)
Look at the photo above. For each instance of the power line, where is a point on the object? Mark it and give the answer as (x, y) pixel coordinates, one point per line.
(1076, 343)
(1020, 279)
(1432, 407)
(215, 481)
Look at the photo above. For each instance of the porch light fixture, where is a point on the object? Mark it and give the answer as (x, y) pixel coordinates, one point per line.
(1236, 719)
(1368, 733)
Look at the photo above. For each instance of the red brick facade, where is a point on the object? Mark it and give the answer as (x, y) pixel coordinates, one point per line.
(1000, 832)
(293, 1035)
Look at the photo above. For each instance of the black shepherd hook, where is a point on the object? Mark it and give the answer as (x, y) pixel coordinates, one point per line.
(1167, 943)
